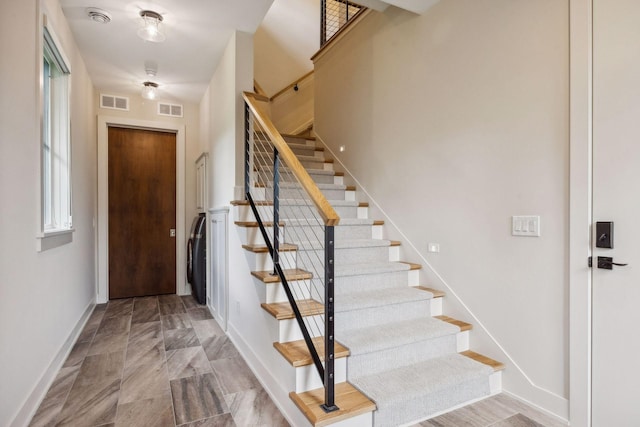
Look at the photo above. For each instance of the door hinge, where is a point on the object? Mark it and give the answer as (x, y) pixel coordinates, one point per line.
(590, 262)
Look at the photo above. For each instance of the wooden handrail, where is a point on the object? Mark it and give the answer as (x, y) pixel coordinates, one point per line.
(291, 85)
(328, 214)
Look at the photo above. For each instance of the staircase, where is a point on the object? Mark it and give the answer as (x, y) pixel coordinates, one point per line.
(397, 359)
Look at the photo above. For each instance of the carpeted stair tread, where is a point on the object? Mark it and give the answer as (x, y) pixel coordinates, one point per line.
(342, 270)
(422, 380)
(378, 298)
(305, 202)
(346, 244)
(395, 334)
(286, 184)
(343, 221)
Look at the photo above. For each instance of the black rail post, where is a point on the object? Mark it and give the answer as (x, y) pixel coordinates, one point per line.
(323, 22)
(329, 338)
(276, 209)
(247, 148)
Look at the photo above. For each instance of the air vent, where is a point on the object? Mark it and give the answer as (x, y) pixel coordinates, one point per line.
(114, 102)
(173, 110)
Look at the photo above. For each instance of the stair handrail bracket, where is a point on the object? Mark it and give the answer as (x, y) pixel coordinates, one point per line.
(276, 182)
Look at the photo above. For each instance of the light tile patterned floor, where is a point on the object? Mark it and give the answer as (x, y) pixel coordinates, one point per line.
(155, 361)
(164, 361)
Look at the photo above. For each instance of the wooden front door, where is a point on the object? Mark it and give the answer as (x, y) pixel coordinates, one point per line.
(142, 212)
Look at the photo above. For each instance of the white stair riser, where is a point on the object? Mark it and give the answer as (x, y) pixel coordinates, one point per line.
(342, 232)
(299, 193)
(316, 164)
(376, 362)
(356, 319)
(253, 236)
(288, 329)
(263, 262)
(307, 377)
(274, 292)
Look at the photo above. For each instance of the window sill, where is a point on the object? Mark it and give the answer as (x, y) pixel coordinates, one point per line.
(54, 238)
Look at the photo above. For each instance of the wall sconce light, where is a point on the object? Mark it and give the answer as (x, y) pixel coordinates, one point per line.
(149, 91)
(151, 30)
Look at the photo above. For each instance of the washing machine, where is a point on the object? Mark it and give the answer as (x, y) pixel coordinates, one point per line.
(197, 258)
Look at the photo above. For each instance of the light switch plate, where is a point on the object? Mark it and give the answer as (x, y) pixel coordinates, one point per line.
(525, 225)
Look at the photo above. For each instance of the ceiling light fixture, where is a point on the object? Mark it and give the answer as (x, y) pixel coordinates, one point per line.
(151, 30)
(99, 15)
(149, 91)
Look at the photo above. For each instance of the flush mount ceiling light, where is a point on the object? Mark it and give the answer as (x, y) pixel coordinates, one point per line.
(151, 30)
(98, 15)
(149, 91)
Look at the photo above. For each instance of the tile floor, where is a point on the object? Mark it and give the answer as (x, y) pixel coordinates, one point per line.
(164, 361)
(155, 361)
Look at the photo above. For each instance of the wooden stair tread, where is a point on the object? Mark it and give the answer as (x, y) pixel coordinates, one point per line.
(412, 266)
(464, 326)
(378, 222)
(350, 188)
(363, 204)
(260, 249)
(394, 243)
(497, 366)
(283, 310)
(290, 274)
(349, 399)
(255, 224)
(297, 353)
(436, 292)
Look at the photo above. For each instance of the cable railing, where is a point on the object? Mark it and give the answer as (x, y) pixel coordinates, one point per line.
(334, 15)
(292, 213)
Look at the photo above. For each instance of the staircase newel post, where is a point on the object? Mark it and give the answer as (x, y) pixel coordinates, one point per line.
(329, 337)
(247, 148)
(276, 209)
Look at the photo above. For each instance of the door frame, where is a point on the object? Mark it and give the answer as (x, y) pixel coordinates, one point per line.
(102, 244)
(580, 209)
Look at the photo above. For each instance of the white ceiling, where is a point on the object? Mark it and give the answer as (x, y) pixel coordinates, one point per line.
(197, 32)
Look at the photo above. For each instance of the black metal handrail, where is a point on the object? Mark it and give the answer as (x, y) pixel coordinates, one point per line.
(263, 171)
(335, 15)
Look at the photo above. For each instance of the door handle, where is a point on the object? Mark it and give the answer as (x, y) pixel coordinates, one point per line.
(607, 263)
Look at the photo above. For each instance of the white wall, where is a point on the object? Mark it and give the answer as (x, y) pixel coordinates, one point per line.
(284, 43)
(454, 121)
(43, 296)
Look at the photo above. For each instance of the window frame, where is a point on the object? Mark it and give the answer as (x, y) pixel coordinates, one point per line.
(55, 212)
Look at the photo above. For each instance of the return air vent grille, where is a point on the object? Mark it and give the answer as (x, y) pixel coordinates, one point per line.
(114, 102)
(173, 110)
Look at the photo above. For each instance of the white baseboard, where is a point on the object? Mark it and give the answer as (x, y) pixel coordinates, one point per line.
(33, 401)
(278, 395)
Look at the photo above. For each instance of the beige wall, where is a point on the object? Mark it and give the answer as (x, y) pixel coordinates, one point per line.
(454, 121)
(292, 112)
(284, 42)
(43, 296)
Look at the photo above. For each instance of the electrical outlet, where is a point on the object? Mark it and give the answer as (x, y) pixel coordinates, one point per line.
(433, 247)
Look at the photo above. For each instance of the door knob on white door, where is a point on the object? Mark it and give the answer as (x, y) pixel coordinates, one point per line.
(607, 263)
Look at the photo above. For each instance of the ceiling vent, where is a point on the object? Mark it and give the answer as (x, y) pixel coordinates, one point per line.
(173, 110)
(114, 102)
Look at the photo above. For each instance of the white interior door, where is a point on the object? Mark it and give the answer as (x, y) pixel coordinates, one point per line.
(616, 197)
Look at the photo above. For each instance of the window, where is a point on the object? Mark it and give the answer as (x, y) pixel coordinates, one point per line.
(56, 147)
